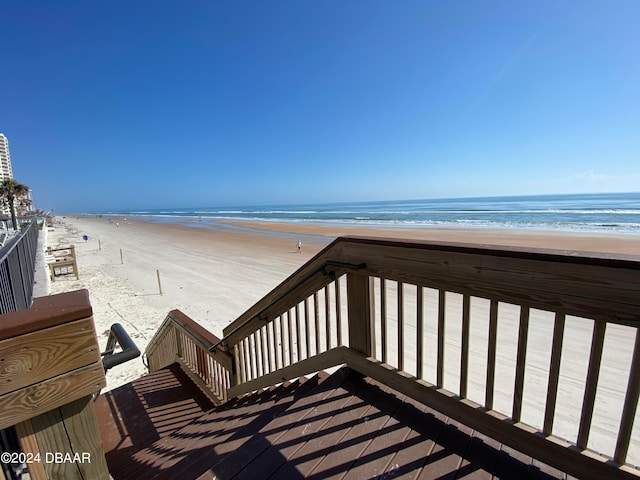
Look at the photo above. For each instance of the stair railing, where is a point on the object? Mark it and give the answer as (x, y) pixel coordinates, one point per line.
(180, 339)
(461, 328)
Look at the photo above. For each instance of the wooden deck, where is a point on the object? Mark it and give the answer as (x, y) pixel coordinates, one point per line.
(329, 426)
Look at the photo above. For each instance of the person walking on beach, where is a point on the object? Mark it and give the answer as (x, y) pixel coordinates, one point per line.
(299, 245)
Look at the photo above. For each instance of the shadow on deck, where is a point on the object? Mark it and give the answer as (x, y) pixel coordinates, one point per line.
(342, 425)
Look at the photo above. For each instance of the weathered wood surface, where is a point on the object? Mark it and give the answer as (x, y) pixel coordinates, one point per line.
(49, 356)
(52, 393)
(29, 444)
(34, 357)
(46, 312)
(81, 426)
(50, 368)
(71, 431)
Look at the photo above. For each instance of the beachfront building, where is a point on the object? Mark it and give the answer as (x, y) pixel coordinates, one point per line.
(23, 203)
(5, 167)
(5, 158)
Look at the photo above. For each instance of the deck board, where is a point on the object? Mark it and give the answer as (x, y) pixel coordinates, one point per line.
(134, 416)
(298, 426)
(338, 429)
(339, 426)
(207, 441)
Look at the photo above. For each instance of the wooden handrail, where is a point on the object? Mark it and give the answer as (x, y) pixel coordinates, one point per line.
(49, 371)
(408, 318)
(291, 286)
(180, 339)
(287, 293)
(46, 312)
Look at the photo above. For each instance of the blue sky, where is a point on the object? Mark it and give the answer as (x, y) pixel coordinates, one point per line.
(117, 105)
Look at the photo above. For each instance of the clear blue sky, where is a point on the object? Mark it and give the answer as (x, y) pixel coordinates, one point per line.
(143, 104)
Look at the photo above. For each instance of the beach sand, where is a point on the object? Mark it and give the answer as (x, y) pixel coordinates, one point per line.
(213, 272)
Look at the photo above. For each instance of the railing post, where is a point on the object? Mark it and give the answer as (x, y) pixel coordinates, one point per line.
(67, 440)
(360, 308)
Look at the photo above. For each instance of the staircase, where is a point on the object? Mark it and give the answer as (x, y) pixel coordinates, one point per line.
(452, 361)
(341, 425)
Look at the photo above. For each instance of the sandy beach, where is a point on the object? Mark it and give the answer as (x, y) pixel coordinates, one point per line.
(214, 272)
(211, 275)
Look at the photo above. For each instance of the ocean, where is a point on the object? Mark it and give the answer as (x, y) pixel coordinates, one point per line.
(612, 213)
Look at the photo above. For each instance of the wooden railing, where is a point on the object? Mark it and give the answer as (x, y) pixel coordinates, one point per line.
(180, 339)
(537, 349)
(50, 369)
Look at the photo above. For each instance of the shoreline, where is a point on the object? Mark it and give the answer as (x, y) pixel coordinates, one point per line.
(574, 241)
(215, 274)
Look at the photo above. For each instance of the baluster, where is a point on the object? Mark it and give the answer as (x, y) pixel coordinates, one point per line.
(307, 336)
(271, 341)
(290, 336)
(327, 317)
(419, 330)
(244, 348)
(178, 337)
(298, 343)
(491, 354)
(464, 354)
(281, 347)
(630, 405)
(256, 354)
(336, 284)
(247, 361)
(383, 318)
(266, 368)
(554, 373)
(400, 326)
(316, 316)
(239, 356)
(521, 360)
(591, 386)
(441, 325)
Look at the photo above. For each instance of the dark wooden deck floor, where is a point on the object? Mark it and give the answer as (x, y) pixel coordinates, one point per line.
(337, 426)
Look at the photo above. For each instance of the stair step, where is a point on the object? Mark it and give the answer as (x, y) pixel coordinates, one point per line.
(342, 426)
(135, 415)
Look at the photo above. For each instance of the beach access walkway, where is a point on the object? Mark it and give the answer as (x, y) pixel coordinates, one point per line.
(522, 357)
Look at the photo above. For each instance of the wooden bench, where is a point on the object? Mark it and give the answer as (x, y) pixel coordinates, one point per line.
(62, 261)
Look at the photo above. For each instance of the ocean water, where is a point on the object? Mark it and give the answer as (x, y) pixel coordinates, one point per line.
(613, 213)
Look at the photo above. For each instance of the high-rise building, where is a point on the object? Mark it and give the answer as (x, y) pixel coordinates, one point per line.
(5, 159)
(5, 169)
